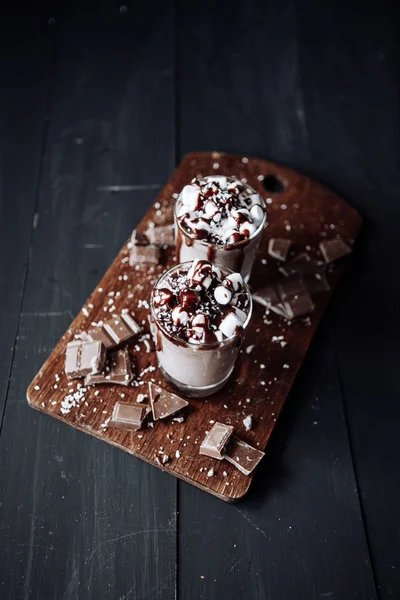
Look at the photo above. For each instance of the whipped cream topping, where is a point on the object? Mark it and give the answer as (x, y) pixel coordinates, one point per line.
(220, 210)
(199, 304)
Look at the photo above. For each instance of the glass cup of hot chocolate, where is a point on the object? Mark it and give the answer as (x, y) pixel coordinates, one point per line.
(220, 219)
(199, 313)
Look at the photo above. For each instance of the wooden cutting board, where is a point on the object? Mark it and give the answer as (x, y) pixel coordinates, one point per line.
(298, 208)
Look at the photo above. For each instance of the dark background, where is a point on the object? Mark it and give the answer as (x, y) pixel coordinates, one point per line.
(95, 94)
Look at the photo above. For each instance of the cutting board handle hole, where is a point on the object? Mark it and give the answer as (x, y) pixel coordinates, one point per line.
(273, 183)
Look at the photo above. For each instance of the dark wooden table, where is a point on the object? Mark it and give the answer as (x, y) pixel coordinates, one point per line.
(97, 95)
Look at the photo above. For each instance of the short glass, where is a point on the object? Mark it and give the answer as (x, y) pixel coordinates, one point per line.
(196, 370)
(239, 256)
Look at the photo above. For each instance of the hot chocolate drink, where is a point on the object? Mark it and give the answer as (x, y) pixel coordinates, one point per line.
(220, 219)
(199, 314)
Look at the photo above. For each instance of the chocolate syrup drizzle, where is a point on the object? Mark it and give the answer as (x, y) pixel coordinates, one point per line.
(235, 198)
(195, 299)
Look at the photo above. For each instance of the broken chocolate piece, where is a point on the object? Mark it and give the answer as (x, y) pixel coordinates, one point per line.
(301, 264)
(118, 370)
(288, 298)
(278, 248)
(295, 297)
(317, 282)
(161, 234)
(139, 238)
(83, 358)
(216, 440)
(242, 456)
(332, 250)
(164, 403)
(113, 332)
(97, 334)
(121, 328)
(144, 254)
(128, 416)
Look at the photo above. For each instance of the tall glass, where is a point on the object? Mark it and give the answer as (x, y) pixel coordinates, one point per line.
(196, 370)
(239, 256)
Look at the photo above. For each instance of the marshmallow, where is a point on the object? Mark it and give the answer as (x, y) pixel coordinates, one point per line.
(256, 199)
(199, 324)
(163, 296)
(217, 272)
(193, 340)
(222, 295)
(210, 208)
(240, 314)
(190, 197)
(219, 335)
(198, 272)
(203, 225)
(183, 210)
(233, 281)
(231, 221)
(247, 228)
(217, 217)
(228, 233)
(230, 325)
(220, 179)
(257, 212)
(179, 316)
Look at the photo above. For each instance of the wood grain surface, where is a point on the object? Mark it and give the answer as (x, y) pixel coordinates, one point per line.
(265, 369)
(99, 102)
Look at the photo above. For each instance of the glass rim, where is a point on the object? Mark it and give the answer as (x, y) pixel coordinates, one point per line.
(202, 345)
(221, 246)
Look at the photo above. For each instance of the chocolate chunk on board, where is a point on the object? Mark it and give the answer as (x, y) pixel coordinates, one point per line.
(121, 328)
(118, 370)
(97, 334)
(279, 247)
(242, 456)
(332, 250)
(128, 416)
(288, 298)
(216, 440)
(295, 297)
(83, 358)
(301, 264)
(115, 331)
(164, 403)
(161, 234)
(317, 282)
(141, 251)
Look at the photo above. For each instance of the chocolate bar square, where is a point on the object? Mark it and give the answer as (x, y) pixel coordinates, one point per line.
(82, 358)
(216, 440)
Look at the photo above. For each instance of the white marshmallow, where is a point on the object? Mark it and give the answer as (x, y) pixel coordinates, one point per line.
(183, 211)
(219, 335)
(220, 179)
(193, 340)
(257, 213)
(247, 228)
(256, 199)
(216, 271)
(231, 221)
(217, 217)
(228, 233)
(190, 197)
(203, 225)
(241, 315)
(206, 282)
(233, 281)
(210, 208)
(198, 324)
(222, 295)
(229, 325)
(179, 316)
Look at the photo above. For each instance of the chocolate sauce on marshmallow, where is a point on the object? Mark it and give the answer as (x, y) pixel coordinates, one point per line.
(220, 210)
(197, 304)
